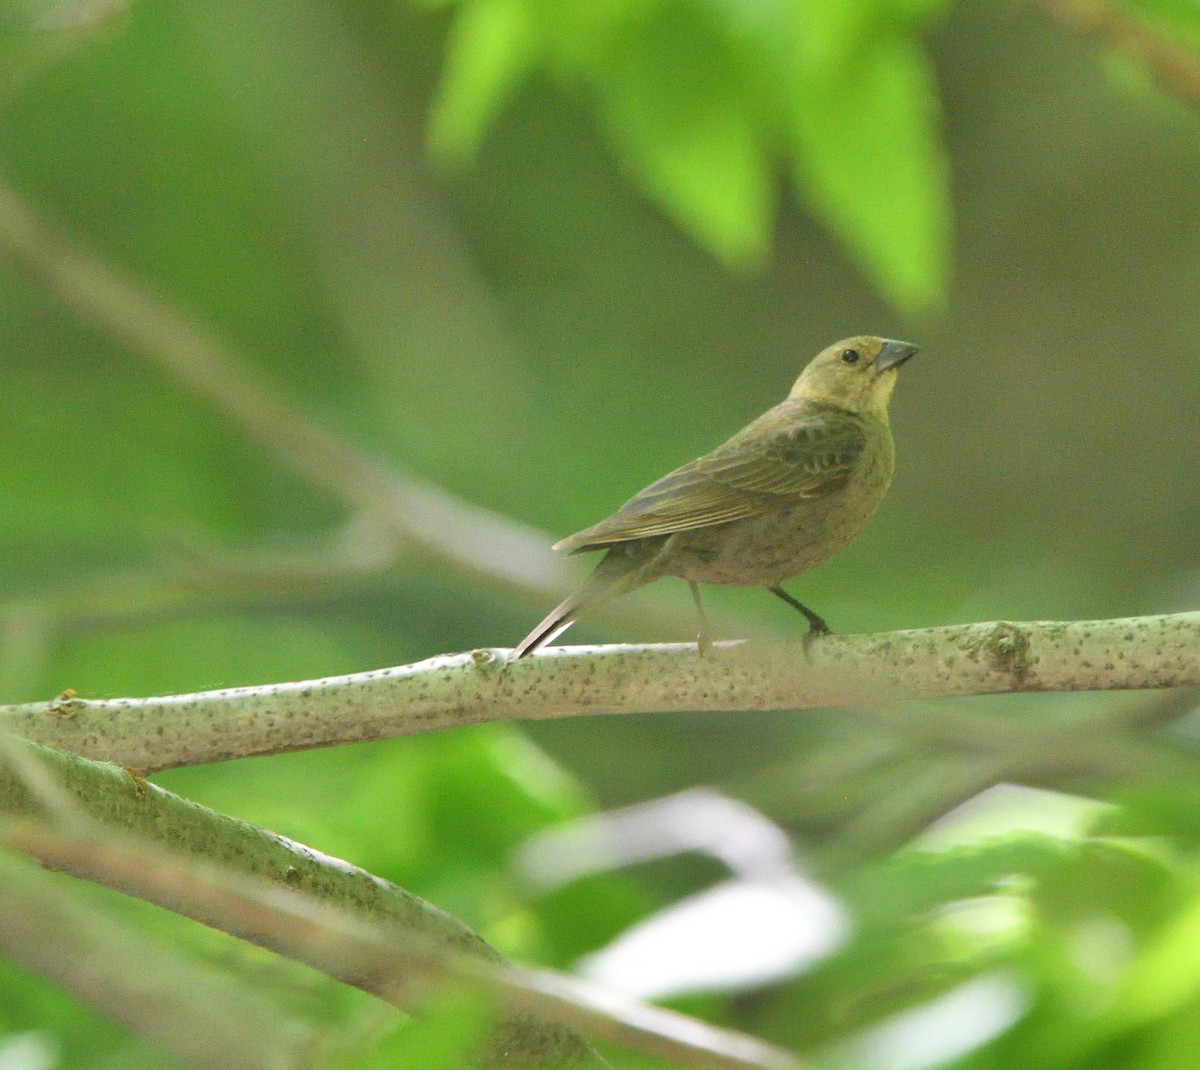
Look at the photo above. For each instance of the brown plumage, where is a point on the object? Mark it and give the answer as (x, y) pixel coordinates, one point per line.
(784, 494)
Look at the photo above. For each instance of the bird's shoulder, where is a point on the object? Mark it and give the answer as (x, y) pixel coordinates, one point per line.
(804, 434)
(798, 450)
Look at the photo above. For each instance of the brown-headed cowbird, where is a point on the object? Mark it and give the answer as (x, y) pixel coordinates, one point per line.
(784, 494)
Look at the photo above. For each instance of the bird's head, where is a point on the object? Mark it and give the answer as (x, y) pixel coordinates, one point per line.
(856, 374)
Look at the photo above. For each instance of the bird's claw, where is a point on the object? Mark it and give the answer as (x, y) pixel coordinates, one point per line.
(816, 629)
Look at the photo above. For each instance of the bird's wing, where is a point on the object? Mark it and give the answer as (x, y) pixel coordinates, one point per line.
(769, 464)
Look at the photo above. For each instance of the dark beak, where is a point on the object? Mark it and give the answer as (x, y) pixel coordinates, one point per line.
(893, 355)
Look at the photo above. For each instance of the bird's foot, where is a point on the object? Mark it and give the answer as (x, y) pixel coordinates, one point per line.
(816, 623)
(816, 628)
(704, 639)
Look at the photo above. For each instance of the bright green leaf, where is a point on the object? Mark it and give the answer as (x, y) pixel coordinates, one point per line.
(868, 157)
(698, 98)
(491, 48)
(829, 31)
(1179, 18)
(1166, 976)
(673, 96)
(1009, 810)
(713, 179)
(446, 1036)
(912, 12)
(832, 32)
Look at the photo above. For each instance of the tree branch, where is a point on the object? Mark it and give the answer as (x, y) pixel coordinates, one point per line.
(541, 1007)
(195, 580)
(100, 798)
(34, 779)
(422, 518)
(451, 691)
(1175, 67)
(323, 912)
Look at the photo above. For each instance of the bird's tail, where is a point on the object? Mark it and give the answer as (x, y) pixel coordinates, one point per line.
(617, 572)
(557, 621)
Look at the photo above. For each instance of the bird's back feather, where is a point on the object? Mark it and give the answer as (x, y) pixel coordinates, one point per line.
(797, 450)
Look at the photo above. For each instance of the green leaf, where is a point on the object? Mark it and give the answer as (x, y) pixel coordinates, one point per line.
(1165, 978)
(33, 36)
(913, 12)
(1014, 812)
(698, 97)
(712, 178)
(448, 1034)
(1178, 17)
(491, 49)
(673, 95)
(829, 31)
(868, 157)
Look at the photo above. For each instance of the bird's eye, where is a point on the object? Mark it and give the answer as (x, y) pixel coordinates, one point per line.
(850, 356)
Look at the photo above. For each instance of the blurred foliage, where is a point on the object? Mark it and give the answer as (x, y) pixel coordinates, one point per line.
(1180, 18)
(705, 102)
(543, 320)
(449, 1035)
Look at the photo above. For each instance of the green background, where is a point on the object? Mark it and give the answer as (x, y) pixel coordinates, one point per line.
(535, 329)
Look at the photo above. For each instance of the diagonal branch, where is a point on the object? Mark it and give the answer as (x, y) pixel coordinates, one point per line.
(1174, 66)
(418, 511)
(194, 580)
(325, 913)
(422, 517)
(452, 691)
(542, 1006)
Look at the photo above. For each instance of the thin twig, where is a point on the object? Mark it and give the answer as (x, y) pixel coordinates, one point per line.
(200, 580)
(1174, 66)
(73, 14)
(423, 518)
(150, 734)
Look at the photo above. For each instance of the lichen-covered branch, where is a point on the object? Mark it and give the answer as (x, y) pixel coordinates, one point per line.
(150, 734)
(101, 824)
(539, 1006)
(34, 778)
(112, 798)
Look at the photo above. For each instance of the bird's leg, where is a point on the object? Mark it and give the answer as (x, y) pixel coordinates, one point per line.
(816, 624)
(704, 639)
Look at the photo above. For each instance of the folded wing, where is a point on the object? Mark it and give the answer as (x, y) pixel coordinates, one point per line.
(779, 459)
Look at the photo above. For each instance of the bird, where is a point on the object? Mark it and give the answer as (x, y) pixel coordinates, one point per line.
(783, 495)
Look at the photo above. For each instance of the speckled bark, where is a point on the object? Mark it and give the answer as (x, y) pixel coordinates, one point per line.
(115, 799)
(485, 685)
